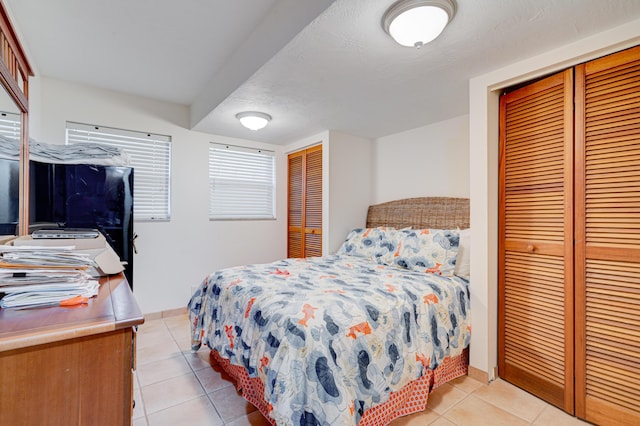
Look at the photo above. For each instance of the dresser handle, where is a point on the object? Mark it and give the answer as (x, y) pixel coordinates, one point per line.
(531, 248)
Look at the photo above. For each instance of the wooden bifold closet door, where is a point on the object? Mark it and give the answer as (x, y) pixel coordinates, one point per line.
(608, 239)
(536, 250)
(569, 243)
(305, 203)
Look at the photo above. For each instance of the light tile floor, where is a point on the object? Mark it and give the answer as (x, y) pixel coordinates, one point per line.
(174, 386)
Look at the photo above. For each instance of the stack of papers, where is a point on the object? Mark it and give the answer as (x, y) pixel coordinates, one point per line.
(81, 153)
(43, 257)
(35, 276)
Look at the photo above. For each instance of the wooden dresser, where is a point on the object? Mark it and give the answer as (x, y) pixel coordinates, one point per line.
(70, 366)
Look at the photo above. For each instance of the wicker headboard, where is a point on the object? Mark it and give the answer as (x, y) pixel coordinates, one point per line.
(421, 213)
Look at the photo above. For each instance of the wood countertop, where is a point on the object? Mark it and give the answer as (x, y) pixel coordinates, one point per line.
(112, 309)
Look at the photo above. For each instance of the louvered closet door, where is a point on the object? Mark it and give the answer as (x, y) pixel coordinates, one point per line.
(535, 242)
(608, 239)
(305, 203)
(295, 205)
(313, 203)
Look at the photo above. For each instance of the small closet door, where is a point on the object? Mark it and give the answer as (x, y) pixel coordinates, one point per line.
(295, 247)
(305, 203)
(313, 203)
(608, 239)
(536, 239)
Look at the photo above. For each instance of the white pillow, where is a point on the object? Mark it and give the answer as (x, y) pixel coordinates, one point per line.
(463, 266)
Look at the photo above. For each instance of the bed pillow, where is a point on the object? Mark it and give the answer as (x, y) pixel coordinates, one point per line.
(432, 251)
(372, 243)
(463, 266)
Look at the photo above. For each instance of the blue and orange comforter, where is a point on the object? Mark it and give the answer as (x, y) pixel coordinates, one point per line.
(330, 337)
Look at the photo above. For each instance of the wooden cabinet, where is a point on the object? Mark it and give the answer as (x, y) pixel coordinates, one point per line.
(569, 244)
(70, 366)
(305, 203)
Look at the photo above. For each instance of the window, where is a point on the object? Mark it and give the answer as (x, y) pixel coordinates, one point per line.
(241, 183)
(10, 125)
(150, 157)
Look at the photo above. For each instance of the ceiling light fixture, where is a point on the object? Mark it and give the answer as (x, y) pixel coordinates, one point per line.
(253, 120)
(413, 23)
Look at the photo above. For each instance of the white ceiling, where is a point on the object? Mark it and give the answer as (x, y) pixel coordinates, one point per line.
(311, 64)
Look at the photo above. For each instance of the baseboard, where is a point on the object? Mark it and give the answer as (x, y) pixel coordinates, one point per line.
(479, 375)
(165, 314)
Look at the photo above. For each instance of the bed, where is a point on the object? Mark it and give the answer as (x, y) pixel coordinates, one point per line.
(359, 337)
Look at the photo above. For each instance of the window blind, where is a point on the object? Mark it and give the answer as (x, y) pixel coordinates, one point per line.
(10, 125)
(241, 182)
(150, 157)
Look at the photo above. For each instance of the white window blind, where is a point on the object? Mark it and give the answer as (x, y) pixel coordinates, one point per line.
(241, 182)
(150, 157)
(10, 125)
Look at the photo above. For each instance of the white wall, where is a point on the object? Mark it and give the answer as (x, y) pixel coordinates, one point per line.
(431, 160)
(176, 255)
(350, 180)
(483, 148)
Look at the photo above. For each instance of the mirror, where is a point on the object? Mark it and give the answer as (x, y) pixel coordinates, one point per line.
(14, 77)
(10, 131)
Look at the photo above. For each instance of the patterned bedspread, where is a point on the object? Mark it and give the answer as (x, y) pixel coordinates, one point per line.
(330, 337)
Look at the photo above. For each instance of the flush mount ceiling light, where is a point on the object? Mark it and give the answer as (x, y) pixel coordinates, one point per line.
(253, 120)
(413, 23)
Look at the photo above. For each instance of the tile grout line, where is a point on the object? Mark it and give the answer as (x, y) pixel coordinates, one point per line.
(468, 394)
(513, 413)
(538, 416)
(146, 414)
(193, 371)
(144, 406)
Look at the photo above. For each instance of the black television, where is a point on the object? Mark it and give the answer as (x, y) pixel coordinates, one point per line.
(86, 196)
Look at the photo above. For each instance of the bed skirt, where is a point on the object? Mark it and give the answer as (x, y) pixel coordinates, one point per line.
(410, 399)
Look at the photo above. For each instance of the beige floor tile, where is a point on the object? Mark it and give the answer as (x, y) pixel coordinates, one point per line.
(512, 399)
(230, 404)
(142, 421)
(200, 359)
(177, 322)
(157, 371)
(160, 350)
(183, 342)
(254, 419)
(473, 411)
(442, 422)
(551, 416)
(151, 326)
(168, 393)
(196, 412)
(425, 417)
(138, 409)
(144, 340)
(466, 384)
(445, 397)
(213, 379)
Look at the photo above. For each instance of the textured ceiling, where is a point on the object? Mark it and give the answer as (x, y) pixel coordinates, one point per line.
(311, 64)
